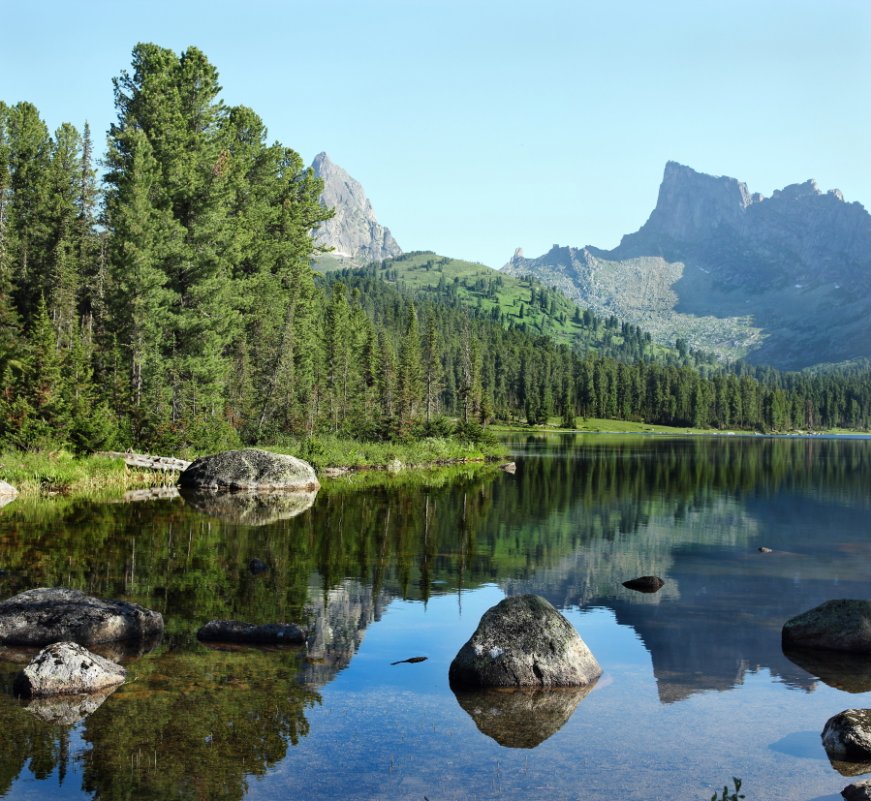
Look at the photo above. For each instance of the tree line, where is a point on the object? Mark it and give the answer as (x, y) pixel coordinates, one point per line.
(172, 304)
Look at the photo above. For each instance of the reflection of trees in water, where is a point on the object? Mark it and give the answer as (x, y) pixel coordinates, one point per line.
(572, 524)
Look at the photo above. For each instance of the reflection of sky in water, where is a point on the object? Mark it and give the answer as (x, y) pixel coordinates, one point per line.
(695, 687)
(398, 732)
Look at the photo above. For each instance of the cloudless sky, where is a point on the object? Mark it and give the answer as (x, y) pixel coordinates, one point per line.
(478, 127)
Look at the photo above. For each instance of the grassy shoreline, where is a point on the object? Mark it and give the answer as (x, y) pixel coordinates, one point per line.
(62, 473)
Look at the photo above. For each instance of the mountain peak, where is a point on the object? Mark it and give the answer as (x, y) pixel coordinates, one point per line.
(354, 232)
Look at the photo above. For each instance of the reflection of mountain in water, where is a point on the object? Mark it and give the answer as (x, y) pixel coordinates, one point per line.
(724, 603)
(337, 620)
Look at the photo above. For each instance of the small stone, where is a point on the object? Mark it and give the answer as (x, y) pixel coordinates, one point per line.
(645, 584)
(7, 489)
(257, 566)
(763, 549)
(66, 668)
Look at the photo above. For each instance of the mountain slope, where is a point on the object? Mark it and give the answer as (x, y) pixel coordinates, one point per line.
(784, 280)
(354, 233)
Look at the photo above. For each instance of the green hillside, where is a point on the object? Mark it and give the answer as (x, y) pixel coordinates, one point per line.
(519, 303)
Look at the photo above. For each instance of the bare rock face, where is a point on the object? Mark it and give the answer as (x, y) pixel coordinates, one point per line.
(524, 642)
(838, 625)
(47, 615)
(524, 717)
(847, 736)
(66, 668)
(250, 469)
(266, 634)
(354, 232)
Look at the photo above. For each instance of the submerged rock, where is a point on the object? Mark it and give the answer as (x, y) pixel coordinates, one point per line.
(524, 642)
(839, 625)
(250, 469)
(847, 736)
(522, 717)
(266, 634)
(250, 508)
(66, 668)
(54, 614)
(645, 584)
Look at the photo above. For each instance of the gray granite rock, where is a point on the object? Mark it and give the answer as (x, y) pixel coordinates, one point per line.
(838, 625)
(847, 736)
(250, 469)
(524, 642)
(55, 614)
(66, 668)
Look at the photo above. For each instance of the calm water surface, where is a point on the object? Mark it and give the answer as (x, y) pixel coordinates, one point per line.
(695, 690)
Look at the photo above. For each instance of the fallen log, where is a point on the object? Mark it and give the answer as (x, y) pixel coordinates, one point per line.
(148, 462)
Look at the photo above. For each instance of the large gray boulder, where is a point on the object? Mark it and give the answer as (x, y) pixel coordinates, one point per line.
(265, 634)
(54, 614)
(839, 625)
(250, 469)
(66, 668)
(524, 642)
(847, 736)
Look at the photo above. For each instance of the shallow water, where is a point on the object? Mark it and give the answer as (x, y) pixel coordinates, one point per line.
(695, 690)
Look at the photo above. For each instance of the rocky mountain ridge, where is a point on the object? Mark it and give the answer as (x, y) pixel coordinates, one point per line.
(784, 280)
(354, 233)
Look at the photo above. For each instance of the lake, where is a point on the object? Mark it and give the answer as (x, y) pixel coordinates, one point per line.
(696, 688)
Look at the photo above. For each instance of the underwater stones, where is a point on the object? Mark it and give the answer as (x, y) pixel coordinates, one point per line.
(247, 633)
(55, 614)
(839, 625)
(250, 469)
(66, 668)
(524, 642)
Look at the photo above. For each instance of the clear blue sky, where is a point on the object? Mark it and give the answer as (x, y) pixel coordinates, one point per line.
(478, 127)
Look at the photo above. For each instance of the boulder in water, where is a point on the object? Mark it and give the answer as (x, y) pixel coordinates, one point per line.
(524, 642)
(839, 625)
(55, 614)
(250, 469)
(66, 668)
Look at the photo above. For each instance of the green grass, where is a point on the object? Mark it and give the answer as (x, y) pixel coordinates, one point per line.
(326, 450)
(604, 426)
(492, 292)
(34, 472)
